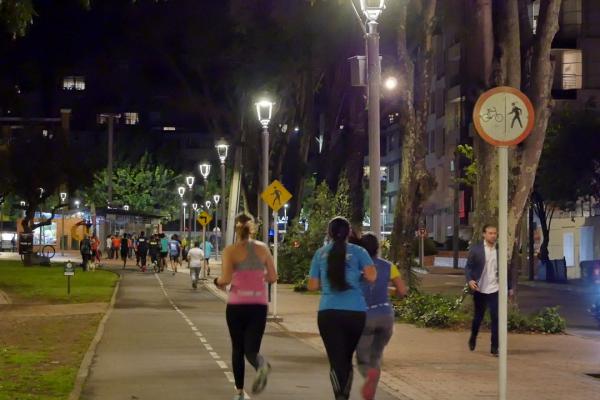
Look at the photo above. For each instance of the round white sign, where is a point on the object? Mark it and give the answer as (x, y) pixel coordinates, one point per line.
(503, 116)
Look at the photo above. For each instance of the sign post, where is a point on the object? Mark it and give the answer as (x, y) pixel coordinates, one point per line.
(503, 117)
(422, 235)
(276, 196)
(69, 272)
(204, 219)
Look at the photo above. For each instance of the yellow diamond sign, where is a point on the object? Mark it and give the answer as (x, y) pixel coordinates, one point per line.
(204, 218)
(276, 195)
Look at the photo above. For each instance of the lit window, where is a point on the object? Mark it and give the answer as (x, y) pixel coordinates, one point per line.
(132, 118)
(74, 83)
(169, 128)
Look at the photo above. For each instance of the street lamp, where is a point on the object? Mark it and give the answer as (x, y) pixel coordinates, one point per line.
(77, 202)
(63, 197)
(205, 171)
(208, 204)
(285, 207)
(181, 191)
(222, 150)
(216, 199)
(372, 10)
(264, 111)
(189, 180)
(126, 207)
(195, 208)
(391, 83)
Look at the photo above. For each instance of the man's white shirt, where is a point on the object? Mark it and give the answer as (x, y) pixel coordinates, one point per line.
(488, 283)
(195, 257)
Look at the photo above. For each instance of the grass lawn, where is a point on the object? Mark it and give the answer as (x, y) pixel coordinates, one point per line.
(40, 354)
(48, 284)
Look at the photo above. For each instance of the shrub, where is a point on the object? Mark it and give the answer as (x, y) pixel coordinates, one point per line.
(301, 285)
(299, 246)
(548, 320)
(430, 310)
(463, 245)
(429, 247)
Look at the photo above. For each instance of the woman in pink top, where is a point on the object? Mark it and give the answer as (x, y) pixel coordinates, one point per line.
(247, 266)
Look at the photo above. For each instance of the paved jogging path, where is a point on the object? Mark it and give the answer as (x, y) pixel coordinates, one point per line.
(165, 340)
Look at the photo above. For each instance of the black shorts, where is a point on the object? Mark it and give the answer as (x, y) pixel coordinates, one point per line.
(174, 257)
(163, 254)
(207, 260)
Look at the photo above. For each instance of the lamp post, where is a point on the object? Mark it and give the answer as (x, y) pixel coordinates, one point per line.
(264, 110)
(207, 204)
(285, 207)
(205, 171)
(184, 205)
(195, 208)
(181, 191)
(189, 180)
(222, 150)
(216, 199)
(384, 216)
(63, 197)
(372, 10)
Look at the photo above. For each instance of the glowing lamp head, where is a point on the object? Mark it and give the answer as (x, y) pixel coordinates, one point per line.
(372, 8)
(222, 149)
(264, 110)
(208, 204)
(204, 170)
(190, 181)
(195, 206)
(126, 207)
(391, 83)
(216, 198)
(63, 197)
(181, 191)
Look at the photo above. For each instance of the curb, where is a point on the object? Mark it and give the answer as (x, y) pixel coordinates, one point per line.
(86, 362)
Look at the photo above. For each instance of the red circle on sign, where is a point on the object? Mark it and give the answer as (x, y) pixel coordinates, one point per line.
(481, 130)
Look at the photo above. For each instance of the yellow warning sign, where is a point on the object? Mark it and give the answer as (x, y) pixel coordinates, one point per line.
(276, 195)
(204, 218)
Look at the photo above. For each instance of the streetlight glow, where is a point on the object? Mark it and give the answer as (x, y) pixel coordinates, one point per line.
(216, 199)
(126, 207)
(372, 8)
(190, 181)
(181, 191)
(391, 83)
(208, 204)
(63, 197)
(195, 206)
(264, 110)
(222, 149)
(204, 170)
(77, 202)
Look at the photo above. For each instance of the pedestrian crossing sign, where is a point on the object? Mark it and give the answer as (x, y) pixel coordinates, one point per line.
(204, 218)
(276, 195)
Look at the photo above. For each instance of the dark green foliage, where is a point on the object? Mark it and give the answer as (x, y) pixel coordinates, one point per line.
(430, 248)
(294, 262)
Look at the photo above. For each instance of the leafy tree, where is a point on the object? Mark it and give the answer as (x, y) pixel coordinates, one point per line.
(145, 187)
(299, 246)
(569, 167)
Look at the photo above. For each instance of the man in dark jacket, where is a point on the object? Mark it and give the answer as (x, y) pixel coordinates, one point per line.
(481, 273)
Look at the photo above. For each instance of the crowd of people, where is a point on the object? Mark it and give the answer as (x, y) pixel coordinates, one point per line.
(160, 249)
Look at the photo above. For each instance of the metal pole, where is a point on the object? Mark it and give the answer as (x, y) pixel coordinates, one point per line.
(455, 230)
(502, 265)
(190, 220)
(110, 157)
(204, 246)
(183, 231)
(223, 213)
(62, 235)
(69, 284)
(195, 225)
(1, 225)
(216, 231)
(275, 254)
(421, 250)
(374, 85)
(265, 183)
(530, 242)
(180, 220)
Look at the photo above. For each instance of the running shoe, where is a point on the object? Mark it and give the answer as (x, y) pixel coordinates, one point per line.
(261, 378)
(368, 389)
(194, 285)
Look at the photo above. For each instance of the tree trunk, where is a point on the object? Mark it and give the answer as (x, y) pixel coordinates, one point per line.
(416, 183)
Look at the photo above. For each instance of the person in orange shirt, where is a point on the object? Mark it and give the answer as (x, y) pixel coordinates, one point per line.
(116, 244)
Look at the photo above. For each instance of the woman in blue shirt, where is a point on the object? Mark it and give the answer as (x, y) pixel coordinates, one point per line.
(338, 268)
(380, 316)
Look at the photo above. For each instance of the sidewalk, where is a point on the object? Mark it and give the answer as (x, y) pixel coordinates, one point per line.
(426, 364)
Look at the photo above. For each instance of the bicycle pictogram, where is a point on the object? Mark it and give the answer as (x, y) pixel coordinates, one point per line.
(492, 114)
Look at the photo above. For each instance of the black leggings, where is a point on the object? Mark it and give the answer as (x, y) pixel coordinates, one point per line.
(246, 324)
(341, 330)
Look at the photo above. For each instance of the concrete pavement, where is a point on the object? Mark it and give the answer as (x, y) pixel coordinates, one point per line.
(166, 340)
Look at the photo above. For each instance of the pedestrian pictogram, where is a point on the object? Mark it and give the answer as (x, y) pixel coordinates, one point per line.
(503, 116)
(204, 218)
(276, 195)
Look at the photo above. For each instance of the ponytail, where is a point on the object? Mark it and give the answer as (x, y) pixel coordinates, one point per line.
(339, 229)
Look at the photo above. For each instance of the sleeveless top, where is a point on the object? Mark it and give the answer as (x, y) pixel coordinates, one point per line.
(248, 282)
(376, 294)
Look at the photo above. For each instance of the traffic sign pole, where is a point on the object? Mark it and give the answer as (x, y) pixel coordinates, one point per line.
(503, 117)
(275, 254)
(503, 273)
